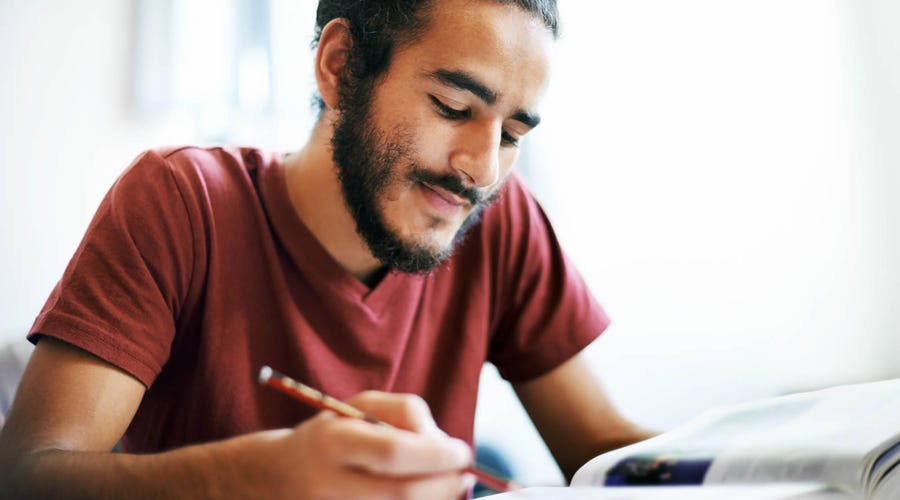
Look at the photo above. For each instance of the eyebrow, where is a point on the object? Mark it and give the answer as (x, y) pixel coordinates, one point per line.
(466, 82)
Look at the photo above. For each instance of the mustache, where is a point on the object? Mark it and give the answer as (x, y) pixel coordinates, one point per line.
(452, 184)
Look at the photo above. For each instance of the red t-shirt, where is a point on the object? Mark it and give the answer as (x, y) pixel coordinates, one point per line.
(196, 271)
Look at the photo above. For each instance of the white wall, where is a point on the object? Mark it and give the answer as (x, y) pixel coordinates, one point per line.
(65, 134)
(721, 189)
(68, 127)
(723, 172)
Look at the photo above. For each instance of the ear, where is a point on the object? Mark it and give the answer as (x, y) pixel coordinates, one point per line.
(335, 44)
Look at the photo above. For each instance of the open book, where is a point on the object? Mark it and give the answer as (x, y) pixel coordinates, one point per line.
(845, 437)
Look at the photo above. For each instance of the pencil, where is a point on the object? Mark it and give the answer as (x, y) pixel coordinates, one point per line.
(316, 399)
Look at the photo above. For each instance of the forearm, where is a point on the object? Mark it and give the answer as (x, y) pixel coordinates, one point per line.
(575, 417)
(213, 470)
(576, 456)
(572, 452)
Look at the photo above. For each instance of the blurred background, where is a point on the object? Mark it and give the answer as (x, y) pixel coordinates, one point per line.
(724, 173)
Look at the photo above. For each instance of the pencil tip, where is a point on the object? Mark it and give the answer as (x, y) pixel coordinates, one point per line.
(265, 373)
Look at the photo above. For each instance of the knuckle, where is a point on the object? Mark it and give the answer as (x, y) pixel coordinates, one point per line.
(389, 455)
(366, 396)
(318, 441)
(414, 406)
(324, 438)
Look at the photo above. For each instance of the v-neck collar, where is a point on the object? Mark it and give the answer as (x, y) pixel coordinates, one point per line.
(308, 254)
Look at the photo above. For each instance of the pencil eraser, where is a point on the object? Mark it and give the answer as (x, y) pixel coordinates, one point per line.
(265, 373)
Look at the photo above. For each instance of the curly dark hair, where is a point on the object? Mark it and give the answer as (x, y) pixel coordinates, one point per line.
(377, 27)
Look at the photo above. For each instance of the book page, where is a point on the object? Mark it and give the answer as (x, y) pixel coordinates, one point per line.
(684, 456)
(834, 436)
(721, 492)
(838, 439)
(885, 461)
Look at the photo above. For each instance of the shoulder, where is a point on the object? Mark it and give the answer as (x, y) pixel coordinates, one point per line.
(195, 171)
(516, 216)
(514, 194)
(513, 239)
(208, 155)
(208, 162)
(515, 202)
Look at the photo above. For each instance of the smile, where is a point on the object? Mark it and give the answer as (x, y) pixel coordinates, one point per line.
(441, 200)
(446, 195)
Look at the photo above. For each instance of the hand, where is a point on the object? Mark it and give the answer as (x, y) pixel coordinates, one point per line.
(335, 457)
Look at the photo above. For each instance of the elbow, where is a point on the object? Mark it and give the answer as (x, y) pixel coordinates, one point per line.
(18, 461)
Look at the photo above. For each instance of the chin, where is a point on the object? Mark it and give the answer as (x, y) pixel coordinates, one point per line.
(432, 243)
(428, 231)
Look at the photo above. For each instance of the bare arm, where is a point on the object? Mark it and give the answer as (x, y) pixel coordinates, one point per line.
(574, 416)
(71, 408)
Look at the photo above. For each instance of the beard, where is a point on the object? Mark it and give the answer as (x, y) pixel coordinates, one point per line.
(369, 162)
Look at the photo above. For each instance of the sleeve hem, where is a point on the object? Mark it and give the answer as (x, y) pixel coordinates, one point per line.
(100, 343)
(549, 357)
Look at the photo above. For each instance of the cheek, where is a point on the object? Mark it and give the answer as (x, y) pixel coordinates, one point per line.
(508, 158)
(424, 142)
(431, 148)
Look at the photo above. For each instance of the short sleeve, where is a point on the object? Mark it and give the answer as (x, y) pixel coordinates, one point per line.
(548, 313)
(123, 289)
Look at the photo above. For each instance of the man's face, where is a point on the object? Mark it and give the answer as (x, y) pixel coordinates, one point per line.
(423, 149)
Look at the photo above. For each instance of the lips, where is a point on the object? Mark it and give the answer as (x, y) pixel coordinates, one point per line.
(445, 195)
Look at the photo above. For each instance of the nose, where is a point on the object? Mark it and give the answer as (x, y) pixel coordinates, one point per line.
(477, 153)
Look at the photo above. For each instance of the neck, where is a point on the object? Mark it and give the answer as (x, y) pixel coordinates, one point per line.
(315, 193)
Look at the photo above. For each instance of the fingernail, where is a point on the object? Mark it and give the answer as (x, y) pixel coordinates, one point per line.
(468, 482)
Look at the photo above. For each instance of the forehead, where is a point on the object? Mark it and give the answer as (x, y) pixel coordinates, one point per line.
(504, 46)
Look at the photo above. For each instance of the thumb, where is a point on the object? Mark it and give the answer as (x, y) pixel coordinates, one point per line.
(404, 411)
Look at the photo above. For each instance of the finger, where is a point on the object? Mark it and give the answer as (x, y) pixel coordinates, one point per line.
(406, 411)
(363, 485)
(389, 451)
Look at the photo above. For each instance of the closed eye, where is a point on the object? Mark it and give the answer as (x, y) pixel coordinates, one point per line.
(508, 139)
(460, 114)
(447, 111)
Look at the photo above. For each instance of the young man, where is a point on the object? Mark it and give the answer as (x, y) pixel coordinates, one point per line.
(372, 265)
